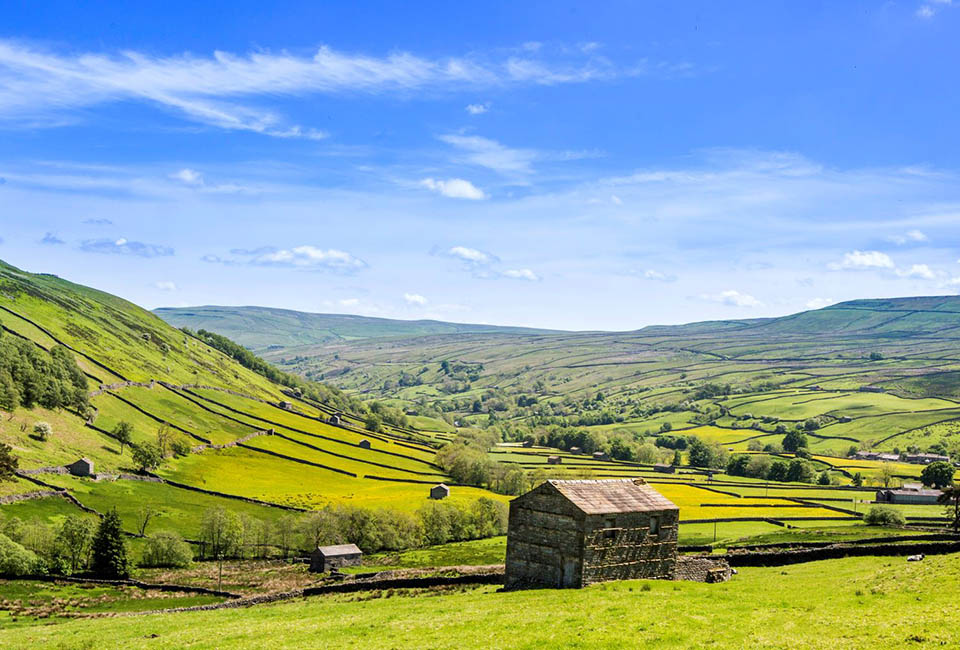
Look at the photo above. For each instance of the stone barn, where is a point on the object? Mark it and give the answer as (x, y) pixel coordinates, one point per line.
(600, 455)
(364, 444)
(575, 533)
(663, 468)
(576, 450)
(334, 420)
(82, 467)
(440, 491)
(327, 558)
(554, 460)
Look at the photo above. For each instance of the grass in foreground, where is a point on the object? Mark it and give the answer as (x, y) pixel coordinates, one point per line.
(848, 603)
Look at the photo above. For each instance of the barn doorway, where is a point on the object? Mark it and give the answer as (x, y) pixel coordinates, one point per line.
(569, 577)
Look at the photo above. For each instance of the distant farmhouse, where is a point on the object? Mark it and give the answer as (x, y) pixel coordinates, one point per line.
(327, 558)
(915, 459)
(912, 493)
(575, 533)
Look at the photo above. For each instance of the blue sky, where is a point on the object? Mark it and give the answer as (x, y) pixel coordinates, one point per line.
(567, 165)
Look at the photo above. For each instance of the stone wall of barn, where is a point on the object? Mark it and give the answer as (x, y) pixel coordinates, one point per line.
(545, 531)
(621, 547)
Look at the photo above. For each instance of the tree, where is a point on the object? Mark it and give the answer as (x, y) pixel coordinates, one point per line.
(823, 479)
(951, 499)
(8, 463)
(794, 440)
(778, 471)
(9, 395)
(147, 456)
(110, 550)
(857, 480)
(938, 474)
(123, 432)
(373, 423)
(738, 465)
(799, 471)
(284, 531)
(166, 549)
(677, 458)
(700, 454)
(74, 536)
(886, 474)
(42, 430)
(221, 533)
(144, 515)
(164, 435)
(15, 560)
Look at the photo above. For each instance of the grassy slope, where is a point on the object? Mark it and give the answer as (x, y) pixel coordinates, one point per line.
(760, 608)
(918, 338)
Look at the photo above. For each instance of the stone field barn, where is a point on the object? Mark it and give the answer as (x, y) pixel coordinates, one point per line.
(574, 533)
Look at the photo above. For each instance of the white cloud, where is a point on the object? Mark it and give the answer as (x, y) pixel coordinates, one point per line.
(415, 299)
(478, 109)
(522, 274)
(911, 236)
(921, 271)
(471, 255)
(732, 298)
(616, 200)
(651, 274)
(491, 154)
(307, 258)
(122, 246)
(455, 188)
(931, 7)
(207, 89)
(188, 177)
(861, 260)
(165, 285)
(349, 302)
(820, 303)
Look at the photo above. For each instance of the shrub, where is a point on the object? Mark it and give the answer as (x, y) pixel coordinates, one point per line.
(147, 456)
(883, 516)
(180, 447)
(16, 560)
(166, 549)
(42, 430)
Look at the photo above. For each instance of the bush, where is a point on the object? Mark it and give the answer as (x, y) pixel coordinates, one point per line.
(16, 560)
(147, 456)
(166, 549)
(883, 516)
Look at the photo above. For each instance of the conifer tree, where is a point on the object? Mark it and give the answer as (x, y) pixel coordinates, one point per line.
(110, 550)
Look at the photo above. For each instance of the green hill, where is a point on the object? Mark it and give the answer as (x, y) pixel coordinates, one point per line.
(260, 328)
(806, 366)
(232, 438)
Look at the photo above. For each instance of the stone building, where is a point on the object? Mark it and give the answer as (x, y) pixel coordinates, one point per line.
(82, 467)
(574, 533)
(440, 491)
(664, 468)
(554, 460)
(327, 558)
(912, 493)
(364, 444)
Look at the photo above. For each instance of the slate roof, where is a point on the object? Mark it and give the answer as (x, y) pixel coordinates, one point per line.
(339, 549)
(598, 497)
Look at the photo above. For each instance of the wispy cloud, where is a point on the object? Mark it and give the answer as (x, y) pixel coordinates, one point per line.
(919, 271)
(862, 260)
(209, 89)
(930, 8)
(819, 303)
(478, 109)
(521, 274)
(97, 222)
(909, 237)
(488, 153)
(732, 298)
(455, 188)
(306, 258)
(472, 256)
(50, 239)
(659, 276)
(414, 299)
(125, 247)
(165, 285)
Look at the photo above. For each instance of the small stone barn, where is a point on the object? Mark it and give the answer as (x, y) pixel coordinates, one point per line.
(663, 468)
(326, 558)
(576, 450)
(440, 491)
(365, 444)
(82, 467)
(574, 533)
(554, 460)
(334, 419)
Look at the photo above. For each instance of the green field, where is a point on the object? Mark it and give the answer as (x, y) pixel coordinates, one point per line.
(758, 608)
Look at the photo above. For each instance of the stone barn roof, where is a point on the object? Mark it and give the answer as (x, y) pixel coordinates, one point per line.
(599, 497)
(339, 549)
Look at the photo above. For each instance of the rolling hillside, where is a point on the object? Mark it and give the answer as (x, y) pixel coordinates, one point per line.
(240, 435)
(757, 374)
(261, 328)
